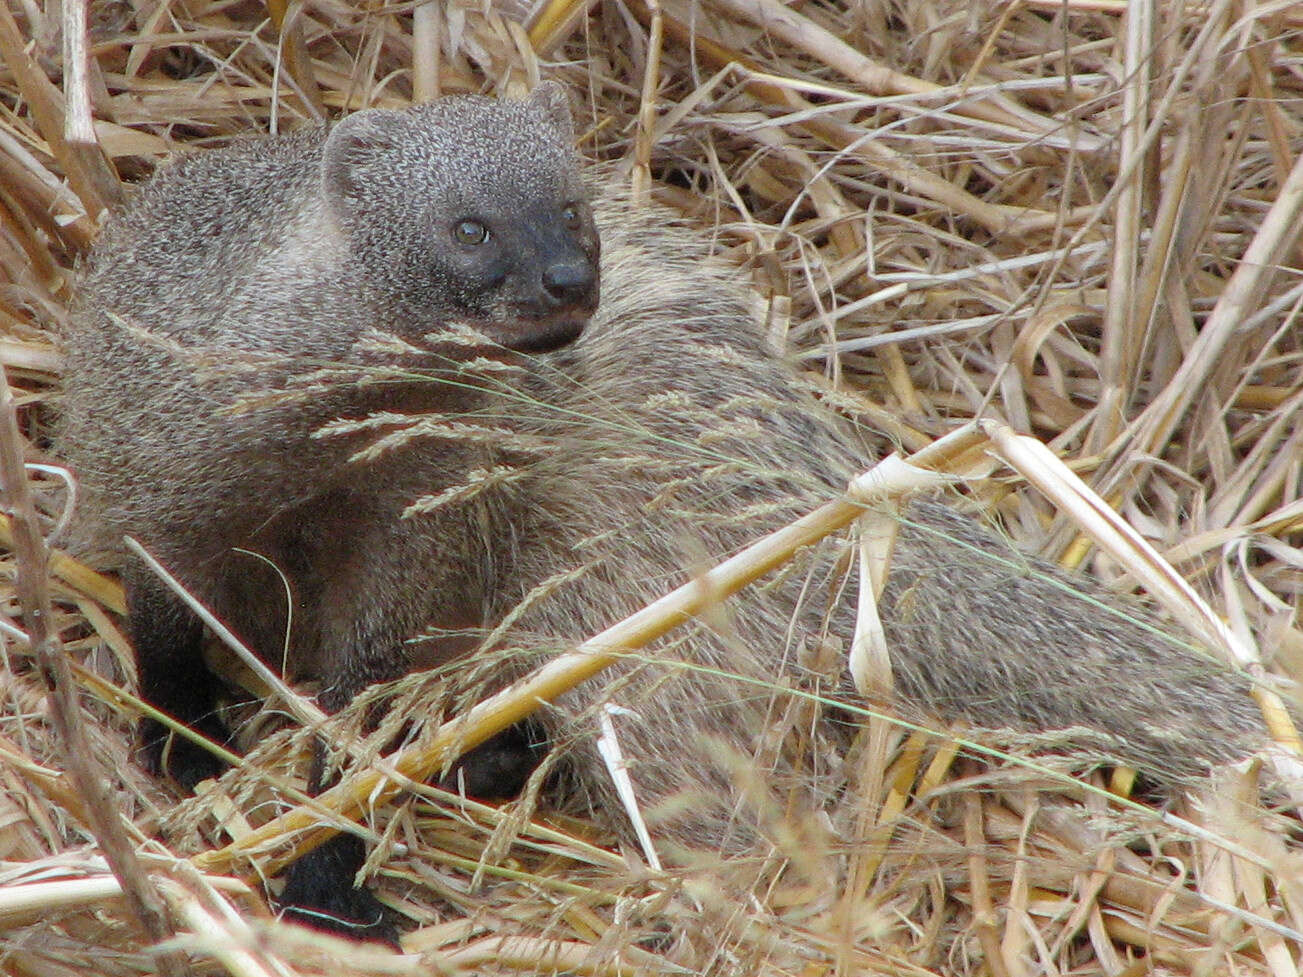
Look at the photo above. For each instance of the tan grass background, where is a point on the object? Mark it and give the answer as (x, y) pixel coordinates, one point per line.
(1080, 216)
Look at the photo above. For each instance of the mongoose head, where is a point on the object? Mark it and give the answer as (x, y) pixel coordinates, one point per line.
(469, 210)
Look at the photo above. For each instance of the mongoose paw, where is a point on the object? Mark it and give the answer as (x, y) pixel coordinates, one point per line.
(354, 913)
(185, 762)
(319, 892)
(498, 768)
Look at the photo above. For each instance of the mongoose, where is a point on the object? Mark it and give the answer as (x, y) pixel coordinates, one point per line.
(548, 498)
(404, 245)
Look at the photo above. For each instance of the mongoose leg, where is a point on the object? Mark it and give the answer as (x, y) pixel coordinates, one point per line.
(320, 892)
(168, 639)
(498, 768)
(320, 888)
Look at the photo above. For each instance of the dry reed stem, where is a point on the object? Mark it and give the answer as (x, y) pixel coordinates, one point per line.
(555, 22)
(426, 36)
(874, 78)
(1119, 357)
(984, 915)
(89, 174)
(49, 897)
(1243, 292)
(647, 110)
(102, 589)
(294, 53)
(87, 774)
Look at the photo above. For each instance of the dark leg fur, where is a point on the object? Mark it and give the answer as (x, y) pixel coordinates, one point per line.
(168, 639)
(319, 887)
(319, 892)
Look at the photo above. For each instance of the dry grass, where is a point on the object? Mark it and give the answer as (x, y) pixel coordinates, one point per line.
(1046, 211)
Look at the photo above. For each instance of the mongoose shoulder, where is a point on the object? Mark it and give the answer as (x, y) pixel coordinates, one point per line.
(667, 434)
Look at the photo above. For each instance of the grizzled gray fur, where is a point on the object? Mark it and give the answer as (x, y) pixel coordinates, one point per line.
(533, 484)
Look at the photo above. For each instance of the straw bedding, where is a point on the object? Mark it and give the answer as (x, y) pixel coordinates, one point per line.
(1081, 217)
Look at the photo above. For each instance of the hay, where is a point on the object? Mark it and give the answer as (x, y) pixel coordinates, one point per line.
(1080, 216)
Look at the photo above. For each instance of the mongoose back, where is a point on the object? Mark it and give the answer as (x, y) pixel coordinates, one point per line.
(544, 501)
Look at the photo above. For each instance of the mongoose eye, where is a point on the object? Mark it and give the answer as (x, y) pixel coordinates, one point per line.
(572, 218)
(470, 232)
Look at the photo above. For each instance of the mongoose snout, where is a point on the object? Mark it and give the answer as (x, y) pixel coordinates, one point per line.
(557, 294)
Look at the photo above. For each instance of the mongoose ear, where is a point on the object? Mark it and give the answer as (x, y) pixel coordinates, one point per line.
(353, 145)
(551, 98)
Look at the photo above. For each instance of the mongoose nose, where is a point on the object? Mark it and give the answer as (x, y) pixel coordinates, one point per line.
(570, 282)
